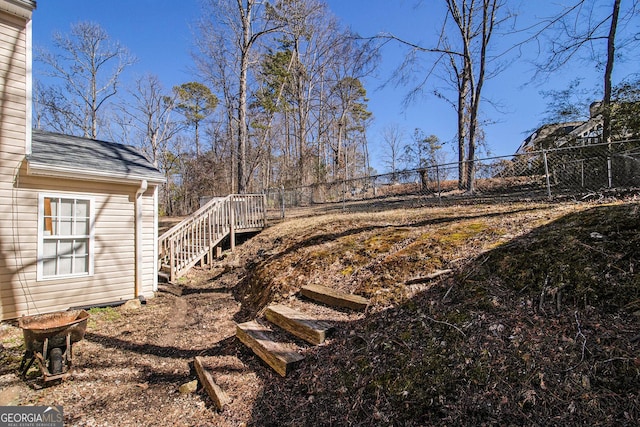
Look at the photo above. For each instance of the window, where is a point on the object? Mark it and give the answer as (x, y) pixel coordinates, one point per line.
(65, 237)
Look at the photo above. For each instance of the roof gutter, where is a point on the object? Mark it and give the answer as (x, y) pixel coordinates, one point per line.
(19, 8)
(36, 169)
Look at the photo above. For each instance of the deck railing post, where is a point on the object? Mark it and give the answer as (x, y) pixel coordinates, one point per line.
(210, 236)
(232, 222)
(264, 210)
(172, 260)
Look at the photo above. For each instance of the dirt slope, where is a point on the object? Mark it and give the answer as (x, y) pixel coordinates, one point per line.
(537, 324)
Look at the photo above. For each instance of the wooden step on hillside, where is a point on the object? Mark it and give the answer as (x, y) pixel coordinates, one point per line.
(334, 298)
(282, 357)
(302, 325)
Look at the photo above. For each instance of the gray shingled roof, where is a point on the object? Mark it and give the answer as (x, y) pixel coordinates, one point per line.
(53, 153)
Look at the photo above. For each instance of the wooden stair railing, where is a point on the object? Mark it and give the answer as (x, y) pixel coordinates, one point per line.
(195, 237)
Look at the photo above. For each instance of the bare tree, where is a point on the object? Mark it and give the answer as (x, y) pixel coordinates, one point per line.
(304, 25)
(571, 103)
(88, 64)
(466, 15)
(463, 49)
(150, 116)
(238, 26)
(215, 63)
(298, 57)
(48, 111)
(590, 30)
(393, 138)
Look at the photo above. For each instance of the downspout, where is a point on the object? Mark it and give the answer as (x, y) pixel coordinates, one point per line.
(138, 237)
(155, 237)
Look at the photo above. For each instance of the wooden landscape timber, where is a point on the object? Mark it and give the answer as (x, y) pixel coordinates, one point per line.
(302, 325)
(217, 395)
(281, 357)
(436, 274)
(334, 298)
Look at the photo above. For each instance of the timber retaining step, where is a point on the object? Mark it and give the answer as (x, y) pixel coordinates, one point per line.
(301, 325)
(334, 298)
(282, 357)
(219, 396)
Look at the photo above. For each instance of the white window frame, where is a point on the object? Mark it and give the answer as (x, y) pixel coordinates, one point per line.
(42, 237)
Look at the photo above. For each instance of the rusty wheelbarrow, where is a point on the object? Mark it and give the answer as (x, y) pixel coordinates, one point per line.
(48, 340)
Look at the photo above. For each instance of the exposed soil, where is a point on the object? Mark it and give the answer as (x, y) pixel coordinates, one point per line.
(538, 323)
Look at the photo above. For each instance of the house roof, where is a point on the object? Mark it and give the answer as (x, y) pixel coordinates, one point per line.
(73, 157)
(552, 130)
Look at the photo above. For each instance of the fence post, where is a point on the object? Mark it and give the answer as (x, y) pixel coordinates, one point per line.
(173, 262)
(282, 201)
(438, 180)
(546, 173)
(344, 193)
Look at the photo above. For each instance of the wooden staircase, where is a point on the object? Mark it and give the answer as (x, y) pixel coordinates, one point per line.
(199, 236)
(282, 356)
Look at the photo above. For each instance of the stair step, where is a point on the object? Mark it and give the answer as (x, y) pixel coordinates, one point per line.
(334, 298)
(282, 357)
(164, 277)
(302, 325)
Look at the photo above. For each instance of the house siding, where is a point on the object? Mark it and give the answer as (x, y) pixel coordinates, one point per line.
(113, 277)
(13, 124)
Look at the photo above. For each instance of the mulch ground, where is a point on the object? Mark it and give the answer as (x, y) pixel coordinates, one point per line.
(538, 324)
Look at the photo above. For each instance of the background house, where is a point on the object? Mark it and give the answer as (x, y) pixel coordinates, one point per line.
(555, 135)
(79, 216)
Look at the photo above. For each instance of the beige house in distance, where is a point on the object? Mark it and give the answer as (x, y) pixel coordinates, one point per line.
(78, 216)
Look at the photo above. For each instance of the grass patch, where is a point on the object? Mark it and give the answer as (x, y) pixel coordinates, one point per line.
(103, 314)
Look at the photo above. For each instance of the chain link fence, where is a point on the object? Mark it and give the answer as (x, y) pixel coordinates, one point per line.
(568, 171)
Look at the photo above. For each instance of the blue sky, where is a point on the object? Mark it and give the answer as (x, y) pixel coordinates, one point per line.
(159, 33)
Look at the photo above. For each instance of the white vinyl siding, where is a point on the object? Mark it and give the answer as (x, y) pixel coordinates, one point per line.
(113, 276)
(16, 253)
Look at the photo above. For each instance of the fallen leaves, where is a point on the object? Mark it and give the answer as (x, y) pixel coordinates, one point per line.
(476, 346)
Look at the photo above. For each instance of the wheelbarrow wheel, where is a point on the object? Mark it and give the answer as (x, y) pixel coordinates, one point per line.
(55, 361)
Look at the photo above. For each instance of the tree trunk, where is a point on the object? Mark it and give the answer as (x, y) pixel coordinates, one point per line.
(611, 49)
(242, 95)
(462, 132)
(197, 137)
